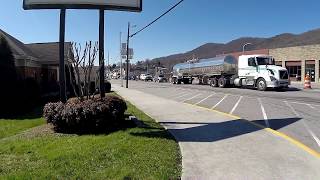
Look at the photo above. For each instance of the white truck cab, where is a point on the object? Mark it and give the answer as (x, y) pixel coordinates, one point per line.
(260, 71)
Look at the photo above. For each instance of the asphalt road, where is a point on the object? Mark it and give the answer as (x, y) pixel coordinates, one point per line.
(294, 112)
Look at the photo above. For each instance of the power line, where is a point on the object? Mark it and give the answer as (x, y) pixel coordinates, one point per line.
(157, 18)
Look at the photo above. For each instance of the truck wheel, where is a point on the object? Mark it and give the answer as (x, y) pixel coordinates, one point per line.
(222, 82)
(214, 82)
(179, 81)
(261, 84)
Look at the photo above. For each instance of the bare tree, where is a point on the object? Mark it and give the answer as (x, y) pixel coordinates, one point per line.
(83, 61)
(87, 66)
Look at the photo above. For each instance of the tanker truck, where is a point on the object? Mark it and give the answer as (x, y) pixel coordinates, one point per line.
(258, 71)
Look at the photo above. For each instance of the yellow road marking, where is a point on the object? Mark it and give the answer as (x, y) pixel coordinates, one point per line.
(277, 133)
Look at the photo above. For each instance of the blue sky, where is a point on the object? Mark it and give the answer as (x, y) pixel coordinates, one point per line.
(192, 24)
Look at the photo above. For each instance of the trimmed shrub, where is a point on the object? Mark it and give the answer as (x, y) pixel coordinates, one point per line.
(88, 116)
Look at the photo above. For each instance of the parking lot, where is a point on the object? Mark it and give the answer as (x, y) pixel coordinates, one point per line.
(293, 112)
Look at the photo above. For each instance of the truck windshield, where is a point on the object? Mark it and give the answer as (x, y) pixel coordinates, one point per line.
(265, 61)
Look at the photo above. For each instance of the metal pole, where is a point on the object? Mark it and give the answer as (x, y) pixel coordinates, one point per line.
(127, 69)
(62, 75)
(121, 60)
(244, 47)
(108, 69)
(101, 53)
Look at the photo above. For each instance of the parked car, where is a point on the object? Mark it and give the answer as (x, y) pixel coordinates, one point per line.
(142, 77)
(161, 78)
(148, 78)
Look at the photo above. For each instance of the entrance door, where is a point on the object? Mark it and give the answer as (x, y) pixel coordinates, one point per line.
(311, 73)
(310, 70)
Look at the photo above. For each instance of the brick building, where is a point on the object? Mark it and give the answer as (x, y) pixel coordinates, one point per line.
(39, 61)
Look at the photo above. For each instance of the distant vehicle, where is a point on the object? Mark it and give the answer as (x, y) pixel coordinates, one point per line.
(257, 71)
(130, 77)
(160, 78)
(142, 77)
(148, 78)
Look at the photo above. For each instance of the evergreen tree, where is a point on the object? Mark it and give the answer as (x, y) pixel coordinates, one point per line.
(8, 78)
(7, 66)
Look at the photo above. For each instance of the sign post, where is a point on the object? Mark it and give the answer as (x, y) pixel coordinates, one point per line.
(101, 53)
(119, 5)
(62, 72)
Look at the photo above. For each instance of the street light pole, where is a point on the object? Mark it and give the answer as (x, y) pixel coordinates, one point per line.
(243, 47)
(127, 69)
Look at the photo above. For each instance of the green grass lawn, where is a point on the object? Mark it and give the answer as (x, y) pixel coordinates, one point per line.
(137, 153)
(9, 127)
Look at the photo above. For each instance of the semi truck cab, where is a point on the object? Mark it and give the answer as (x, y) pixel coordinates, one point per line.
(260, 71)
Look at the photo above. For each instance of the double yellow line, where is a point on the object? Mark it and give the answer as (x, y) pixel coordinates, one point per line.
(277, 133)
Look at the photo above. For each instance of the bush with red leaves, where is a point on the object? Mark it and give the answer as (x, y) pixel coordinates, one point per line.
(88, 116)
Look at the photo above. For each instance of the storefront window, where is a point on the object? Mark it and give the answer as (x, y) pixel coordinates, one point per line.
(279, 63)
(294, 69)
(310, 69)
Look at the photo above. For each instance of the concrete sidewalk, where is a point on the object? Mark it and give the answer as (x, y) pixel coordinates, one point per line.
(215, 146)
(300, 85)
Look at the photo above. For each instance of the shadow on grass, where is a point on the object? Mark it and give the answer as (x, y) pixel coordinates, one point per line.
(210, 132)
(151, 130)
(34, 114)
(102, 129)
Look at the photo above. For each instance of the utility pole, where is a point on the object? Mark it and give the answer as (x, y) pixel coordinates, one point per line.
(121, 60)
(127, 69)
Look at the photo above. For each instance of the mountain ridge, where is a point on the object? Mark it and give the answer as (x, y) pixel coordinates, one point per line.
(209, 50)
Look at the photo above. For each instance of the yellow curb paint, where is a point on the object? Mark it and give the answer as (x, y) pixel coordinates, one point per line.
(277, 133)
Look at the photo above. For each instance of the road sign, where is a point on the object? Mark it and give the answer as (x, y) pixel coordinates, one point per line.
(124, 51)
(120, 5)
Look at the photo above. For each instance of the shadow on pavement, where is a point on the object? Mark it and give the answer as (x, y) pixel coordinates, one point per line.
(210, 132)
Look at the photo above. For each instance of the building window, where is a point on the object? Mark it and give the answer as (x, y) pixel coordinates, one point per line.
(310, 69)
(278, 63)
(294, 70)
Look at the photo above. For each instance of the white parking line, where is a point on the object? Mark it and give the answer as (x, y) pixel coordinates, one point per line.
(236, 105)
(191, 97)
(225, 96)
(205, 99)
(304, 123)
(184, 94)
(265, 117)
(175, 94)
(312, 105)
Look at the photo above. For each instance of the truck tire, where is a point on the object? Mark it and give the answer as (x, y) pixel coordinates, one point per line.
(179, 81)
(186, 81)
(214, 82)
(174, 80)
(222, 82)
(261, 84)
